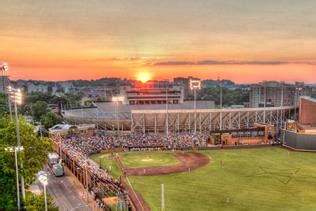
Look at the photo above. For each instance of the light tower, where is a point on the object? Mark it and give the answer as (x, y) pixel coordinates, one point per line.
(5, 68)
(16, 98)
(195, 85)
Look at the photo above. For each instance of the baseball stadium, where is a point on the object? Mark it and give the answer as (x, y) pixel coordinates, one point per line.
(158, 157)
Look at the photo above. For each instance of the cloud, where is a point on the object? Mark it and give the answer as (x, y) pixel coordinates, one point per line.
(167, 63)
(116, 59)
(231, 62)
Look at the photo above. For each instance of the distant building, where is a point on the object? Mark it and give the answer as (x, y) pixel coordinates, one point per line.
(37, 87)
(269, 94)
(151, 92)
(66, 86)
(216, 83)
(4, 83)
(307, 112)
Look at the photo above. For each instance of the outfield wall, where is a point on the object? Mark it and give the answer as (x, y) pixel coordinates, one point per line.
(299, 141)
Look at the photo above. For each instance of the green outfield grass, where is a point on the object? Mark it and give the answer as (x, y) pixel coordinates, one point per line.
(244, 179)
(146, 159)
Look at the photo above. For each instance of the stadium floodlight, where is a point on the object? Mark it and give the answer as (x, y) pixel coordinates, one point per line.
(15, 95)
(43, 178)
(195, 85)
(18, 96)
(16, 150)
(117, 99)
(9, 88)
(5, 67)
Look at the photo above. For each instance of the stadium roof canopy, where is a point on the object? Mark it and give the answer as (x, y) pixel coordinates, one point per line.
(110, 106)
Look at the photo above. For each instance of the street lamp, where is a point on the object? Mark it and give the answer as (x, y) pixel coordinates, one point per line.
(43, 178)
(16, 150)
(195, 85)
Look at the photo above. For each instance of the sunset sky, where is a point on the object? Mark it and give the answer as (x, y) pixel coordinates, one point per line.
(242, 40)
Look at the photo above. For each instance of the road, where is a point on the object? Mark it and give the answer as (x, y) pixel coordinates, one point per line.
(67, 192)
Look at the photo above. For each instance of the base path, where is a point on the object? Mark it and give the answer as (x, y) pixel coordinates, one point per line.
(188, 161)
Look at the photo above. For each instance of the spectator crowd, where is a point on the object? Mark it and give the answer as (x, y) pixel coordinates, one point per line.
(81, 145)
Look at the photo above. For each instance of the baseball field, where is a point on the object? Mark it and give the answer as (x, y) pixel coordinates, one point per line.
(243, 179)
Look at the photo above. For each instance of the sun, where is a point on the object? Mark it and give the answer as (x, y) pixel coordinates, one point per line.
(143, 76)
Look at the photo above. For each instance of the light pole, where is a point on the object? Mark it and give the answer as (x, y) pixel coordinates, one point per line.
(195, 85)
(220, 95)
(43, 178)
(16, 97)
(167, 116)
(116, 100)
(16, 150)
(4, 69)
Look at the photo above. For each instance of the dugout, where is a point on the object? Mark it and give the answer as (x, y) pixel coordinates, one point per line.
(259, 134)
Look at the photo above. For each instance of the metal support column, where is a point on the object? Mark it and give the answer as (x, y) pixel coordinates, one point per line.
(189, 123)
(230, 120)
(239, 119)
(210, 121)
(144, 129)
(220, 120)
(200, 118)
(155, 124)
(178, 116)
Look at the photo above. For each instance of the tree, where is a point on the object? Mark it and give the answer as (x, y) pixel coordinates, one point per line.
(230, 97)
(3, 104)
(34, 156)
(50, 119)
(39, 109)
(35, 202)
(71, 100)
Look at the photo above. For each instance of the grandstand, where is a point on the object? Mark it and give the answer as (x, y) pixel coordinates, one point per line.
(176, 118)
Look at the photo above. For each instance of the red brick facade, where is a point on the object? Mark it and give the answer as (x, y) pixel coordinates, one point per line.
(307, 114)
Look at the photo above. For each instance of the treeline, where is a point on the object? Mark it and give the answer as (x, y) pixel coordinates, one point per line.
(229, 97)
